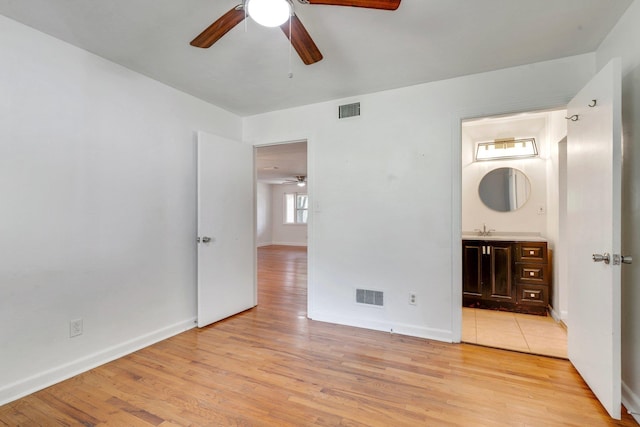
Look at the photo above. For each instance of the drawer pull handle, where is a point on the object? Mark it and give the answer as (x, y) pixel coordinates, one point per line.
(533, 295)
(531, 252)
(532, 274)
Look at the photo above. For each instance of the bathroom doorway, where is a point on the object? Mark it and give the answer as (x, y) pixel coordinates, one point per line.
(512, 300)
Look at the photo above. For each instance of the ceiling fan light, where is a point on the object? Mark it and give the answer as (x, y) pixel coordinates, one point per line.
(269, 13)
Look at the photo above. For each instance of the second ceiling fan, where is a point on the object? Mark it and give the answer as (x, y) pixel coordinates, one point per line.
(294, 30)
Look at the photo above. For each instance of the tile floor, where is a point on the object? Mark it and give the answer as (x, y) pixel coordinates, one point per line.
(514, 331)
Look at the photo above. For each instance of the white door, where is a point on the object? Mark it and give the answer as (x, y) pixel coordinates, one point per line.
(594, 161)
(226, 248)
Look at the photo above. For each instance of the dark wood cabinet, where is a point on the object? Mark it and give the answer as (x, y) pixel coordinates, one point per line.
(500, 276)
(506, 275)
(533, 279)
(472, 259)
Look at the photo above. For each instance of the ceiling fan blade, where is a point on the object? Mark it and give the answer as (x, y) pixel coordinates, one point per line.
(215, 31)
(302, 41)
(370, 4)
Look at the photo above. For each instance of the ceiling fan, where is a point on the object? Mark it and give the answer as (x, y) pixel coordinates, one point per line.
(290, 24)
(300, 181)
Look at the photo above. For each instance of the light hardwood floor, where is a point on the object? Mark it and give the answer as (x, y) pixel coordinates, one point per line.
(271, 366)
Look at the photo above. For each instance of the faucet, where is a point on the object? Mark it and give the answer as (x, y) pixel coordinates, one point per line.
(484, 231)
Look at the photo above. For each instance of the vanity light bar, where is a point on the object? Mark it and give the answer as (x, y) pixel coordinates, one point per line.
(510, 148)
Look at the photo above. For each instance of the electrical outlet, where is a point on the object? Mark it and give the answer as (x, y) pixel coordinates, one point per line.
(413, 298)
(75, 328)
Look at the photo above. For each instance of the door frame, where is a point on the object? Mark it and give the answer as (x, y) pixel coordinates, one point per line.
(559, 240)
(548, 102)
(309, 187)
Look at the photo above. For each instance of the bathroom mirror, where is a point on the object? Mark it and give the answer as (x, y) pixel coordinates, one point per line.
(504, 189)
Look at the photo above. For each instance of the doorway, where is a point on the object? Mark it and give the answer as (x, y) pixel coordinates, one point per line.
(282, 210)
(503, 322)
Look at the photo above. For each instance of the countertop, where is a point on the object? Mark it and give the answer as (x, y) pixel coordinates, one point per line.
(504, 236)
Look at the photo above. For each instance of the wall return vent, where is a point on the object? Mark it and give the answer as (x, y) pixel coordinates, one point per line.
(349, 110)
(366, 296)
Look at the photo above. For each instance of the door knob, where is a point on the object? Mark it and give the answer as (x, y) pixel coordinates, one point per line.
(206, 239)
(621, 259)
(601, 258)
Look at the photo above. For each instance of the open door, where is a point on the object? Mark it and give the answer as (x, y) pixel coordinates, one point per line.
(226, 248)
(594, 163)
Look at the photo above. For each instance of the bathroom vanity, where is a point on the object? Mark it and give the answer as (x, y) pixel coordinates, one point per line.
(506, 273)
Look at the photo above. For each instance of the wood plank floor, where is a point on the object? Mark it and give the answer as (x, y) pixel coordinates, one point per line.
(271, 366)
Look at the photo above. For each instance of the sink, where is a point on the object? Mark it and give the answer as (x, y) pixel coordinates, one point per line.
(504, 236)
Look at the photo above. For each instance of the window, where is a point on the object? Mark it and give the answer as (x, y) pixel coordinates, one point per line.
(296, 208)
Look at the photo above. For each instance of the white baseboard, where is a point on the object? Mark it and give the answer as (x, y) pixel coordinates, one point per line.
(391, 327)
(289, 243)
(561, 316)
(260, 245)
(557, 316)
(631, 401)
(41, 380)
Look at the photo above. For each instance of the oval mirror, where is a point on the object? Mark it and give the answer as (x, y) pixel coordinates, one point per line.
(504, 189)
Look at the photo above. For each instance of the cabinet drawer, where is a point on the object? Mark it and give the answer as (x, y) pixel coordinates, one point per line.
(533, 294)
(532, 252)
(532, 273)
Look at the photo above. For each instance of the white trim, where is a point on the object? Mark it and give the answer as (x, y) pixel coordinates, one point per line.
(311, 155)
(39, 381)
(288, 244)
(564, 315)
(554, 314)
(263, 244)
(391, 327)
(456, 228)
(631, 402)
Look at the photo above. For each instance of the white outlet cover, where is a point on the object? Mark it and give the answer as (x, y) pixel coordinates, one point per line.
(75, 328)
(413, 298)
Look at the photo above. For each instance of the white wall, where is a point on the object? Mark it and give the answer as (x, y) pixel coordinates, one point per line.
(98, 208)
(270, 227)
(400, 232)
(264, 214)
(623, 42)
(286, 234)
(475, 213)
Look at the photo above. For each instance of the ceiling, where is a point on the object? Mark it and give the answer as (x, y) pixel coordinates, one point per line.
(365, 51)
(279, 164)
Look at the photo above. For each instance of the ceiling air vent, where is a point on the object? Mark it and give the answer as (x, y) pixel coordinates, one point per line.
(366, 296)
(349, 110)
